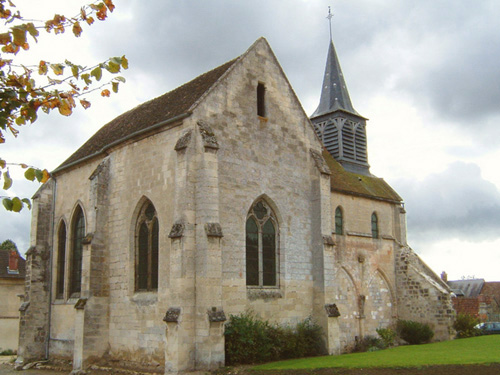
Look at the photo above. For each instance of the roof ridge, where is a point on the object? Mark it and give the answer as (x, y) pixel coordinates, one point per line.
(166, 108)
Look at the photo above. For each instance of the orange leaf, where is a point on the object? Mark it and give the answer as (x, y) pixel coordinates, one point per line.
(83, 14)
(46, 176)
(5, 38)
(77, 29)
(110, 5)
(105, 93)
(90, 20)
(64, 108)
(85, 104)
(42, 68)
(101, 14)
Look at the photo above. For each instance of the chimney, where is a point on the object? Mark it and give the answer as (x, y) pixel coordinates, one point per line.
(444, 277)
(13, 261)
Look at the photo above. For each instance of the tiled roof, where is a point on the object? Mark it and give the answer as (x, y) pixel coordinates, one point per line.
(161, 109)
(357, 184)
(492, 289)
(469, 288)
(4, 266)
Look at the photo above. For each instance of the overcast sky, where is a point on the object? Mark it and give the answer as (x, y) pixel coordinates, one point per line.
(426, 73)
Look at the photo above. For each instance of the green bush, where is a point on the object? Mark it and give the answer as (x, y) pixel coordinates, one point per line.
(248, 340)
(414, 332)
(387, 335)
(368, 344)
(7, 352)
(464, 325)
(251, 340)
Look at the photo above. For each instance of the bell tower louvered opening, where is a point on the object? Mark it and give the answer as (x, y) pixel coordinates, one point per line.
(341, 129)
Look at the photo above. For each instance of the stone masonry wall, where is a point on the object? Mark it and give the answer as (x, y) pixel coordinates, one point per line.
(422, 295)
(363, 285)
(265, 157)
(34, 320)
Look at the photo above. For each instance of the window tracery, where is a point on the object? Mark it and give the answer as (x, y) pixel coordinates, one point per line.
(261, 246)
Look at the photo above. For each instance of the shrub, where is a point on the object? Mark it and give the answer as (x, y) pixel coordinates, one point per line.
(251, 340)
(248, 340)
(465, 325)
(387, 335)
(368, 344)
(414, 332)
(7, 352)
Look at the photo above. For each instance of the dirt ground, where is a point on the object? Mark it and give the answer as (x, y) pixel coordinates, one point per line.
(493, 369)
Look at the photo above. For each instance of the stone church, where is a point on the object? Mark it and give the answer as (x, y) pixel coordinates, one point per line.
(219, 197)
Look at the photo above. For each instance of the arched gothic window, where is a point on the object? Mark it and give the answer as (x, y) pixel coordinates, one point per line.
(61, 259)
(146, 249)
(261, 246)
(374, 225)
(77, 236)
(339, 221)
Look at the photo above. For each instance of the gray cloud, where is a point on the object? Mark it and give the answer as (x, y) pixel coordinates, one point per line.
(457, 203)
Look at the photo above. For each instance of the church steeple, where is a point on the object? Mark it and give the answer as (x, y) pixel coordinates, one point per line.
(341, 128)
(334, 94)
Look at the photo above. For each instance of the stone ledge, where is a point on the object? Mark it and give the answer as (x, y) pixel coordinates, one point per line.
(265, 294)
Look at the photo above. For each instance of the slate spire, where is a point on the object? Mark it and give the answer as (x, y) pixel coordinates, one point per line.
(339, 126)
(334, 94)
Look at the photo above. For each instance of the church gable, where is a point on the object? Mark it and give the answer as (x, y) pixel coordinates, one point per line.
(173, 105)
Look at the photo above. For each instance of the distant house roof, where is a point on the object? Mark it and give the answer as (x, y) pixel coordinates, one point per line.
(167, 107)
(467, 288)
(6, 272)
(357, 184)
(492, 289)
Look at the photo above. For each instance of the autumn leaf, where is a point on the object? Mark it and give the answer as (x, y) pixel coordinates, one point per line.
(83, 13)
(110, 5)
(64, 108)
(30, 174)
(58, 69)
(96, 73)
(85, 104)
(7, 203)
(19, 34)
(77, 29)
(27, 202)
(42, 68)
(17, 205)
(101, 13)
(113, 67)
(5, 38)
(90, 20)
(124, 62)
(114, 86)
(32, 30)
(3, 163)
(46, 176)
(7, 181)
(105, 93)
(86, 78)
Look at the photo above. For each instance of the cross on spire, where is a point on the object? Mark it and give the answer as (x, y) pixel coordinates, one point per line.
(330, 16)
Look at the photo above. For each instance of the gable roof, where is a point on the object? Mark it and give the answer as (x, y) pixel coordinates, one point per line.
(166, 108)
(4, 264)
(467, 288)
(491, 289)
(357, 184)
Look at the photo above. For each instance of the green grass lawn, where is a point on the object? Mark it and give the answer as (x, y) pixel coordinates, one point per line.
(476, 350)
